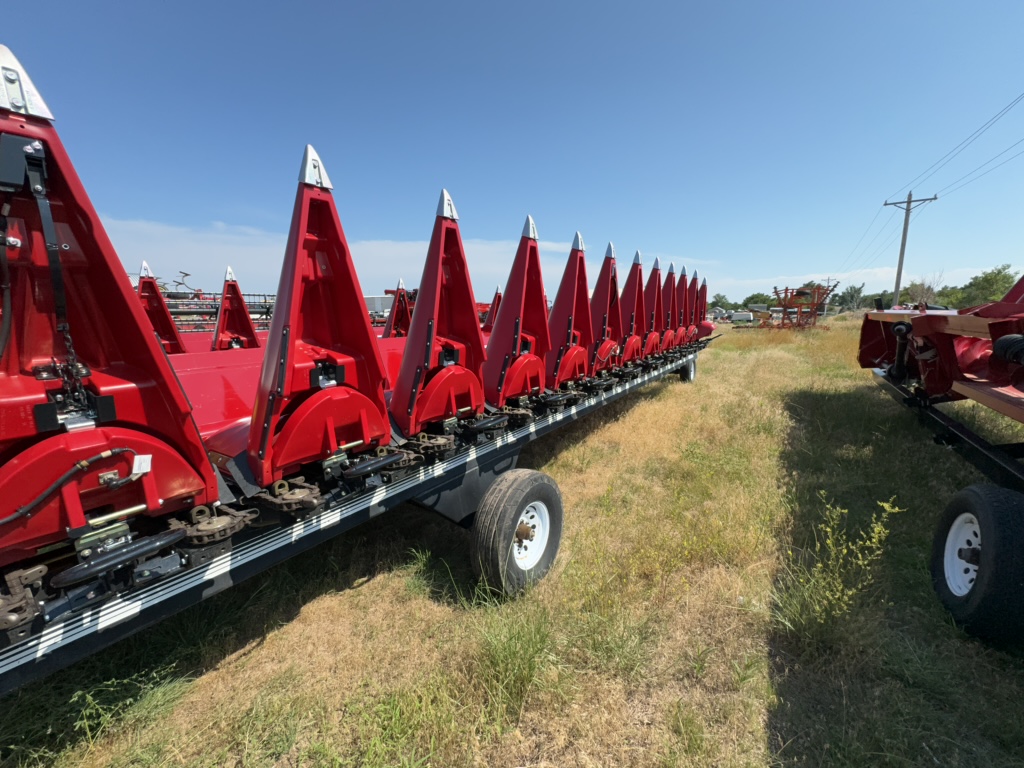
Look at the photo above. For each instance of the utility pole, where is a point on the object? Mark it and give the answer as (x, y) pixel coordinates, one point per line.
(910, 203)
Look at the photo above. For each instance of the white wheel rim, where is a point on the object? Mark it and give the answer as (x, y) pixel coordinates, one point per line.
(964, 534)
(528, 548)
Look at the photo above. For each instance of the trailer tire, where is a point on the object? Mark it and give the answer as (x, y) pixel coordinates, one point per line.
(977, 561)
(519, 501)
(688, 372)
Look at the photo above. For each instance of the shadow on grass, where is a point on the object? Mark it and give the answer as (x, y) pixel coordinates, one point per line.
(76, 704)
(72, 705)
(895, 683)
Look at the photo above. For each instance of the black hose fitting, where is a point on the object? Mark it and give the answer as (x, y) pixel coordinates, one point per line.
(898, 370)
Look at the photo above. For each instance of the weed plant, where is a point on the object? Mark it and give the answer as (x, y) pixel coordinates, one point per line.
(817, 588)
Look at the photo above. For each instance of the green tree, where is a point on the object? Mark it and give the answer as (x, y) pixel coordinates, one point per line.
(950, 296)
(851, 298)
(720, 300)
(919, 292)
(988, 286)
(758, 298)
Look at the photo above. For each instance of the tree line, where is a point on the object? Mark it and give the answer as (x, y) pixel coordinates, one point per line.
(986, 287)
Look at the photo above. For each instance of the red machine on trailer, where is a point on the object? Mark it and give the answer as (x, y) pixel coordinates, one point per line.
(924, 358)
(145, 467)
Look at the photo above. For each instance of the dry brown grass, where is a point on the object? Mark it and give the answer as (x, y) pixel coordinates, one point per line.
(651, 643)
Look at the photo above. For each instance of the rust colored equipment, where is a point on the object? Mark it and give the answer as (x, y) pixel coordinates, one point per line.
(802, 306)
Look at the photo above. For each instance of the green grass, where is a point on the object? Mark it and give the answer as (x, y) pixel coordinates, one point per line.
(735, 587)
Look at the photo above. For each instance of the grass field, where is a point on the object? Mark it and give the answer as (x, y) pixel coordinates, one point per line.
(743, 580)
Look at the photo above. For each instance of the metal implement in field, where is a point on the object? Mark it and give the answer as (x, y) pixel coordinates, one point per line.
(925, 358)
(156, 450)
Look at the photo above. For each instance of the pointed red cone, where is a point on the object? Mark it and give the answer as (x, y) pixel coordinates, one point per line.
(441, 372)
(519, 341)
(321, 390)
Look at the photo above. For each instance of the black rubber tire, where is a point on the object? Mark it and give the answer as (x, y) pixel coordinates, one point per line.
(688, 372)
(494, 528)
(993, 608)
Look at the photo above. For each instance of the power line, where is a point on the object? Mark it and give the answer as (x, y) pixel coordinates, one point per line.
(873, 218)
(1021, 141)
(946, 158)
(871, 242)
(881, 249)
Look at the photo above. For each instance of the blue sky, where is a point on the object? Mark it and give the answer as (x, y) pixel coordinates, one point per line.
(754, 141)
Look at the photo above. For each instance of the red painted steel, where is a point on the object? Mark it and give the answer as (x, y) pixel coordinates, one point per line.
(321, 389)
(704, 327)
(670, 310)
(683, 303)
(606, 317)
(654, 340)
(572, 332)
(975, 353)
(441, 366)
(634, 316)
(520, 340)
(159, 315)
(487, 324)
(399, 317)
(234, 325)
(127, 370)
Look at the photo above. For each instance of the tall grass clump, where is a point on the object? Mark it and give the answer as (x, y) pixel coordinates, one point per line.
(819, 586)
(515, 658)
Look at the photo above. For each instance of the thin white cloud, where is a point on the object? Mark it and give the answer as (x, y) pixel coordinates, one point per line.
(255, 256)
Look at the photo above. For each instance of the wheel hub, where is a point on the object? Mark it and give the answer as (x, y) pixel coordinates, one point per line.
(530, 538)
(962, 554)
(524, 533)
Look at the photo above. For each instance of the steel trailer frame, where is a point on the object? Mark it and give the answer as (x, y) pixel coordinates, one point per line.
(998, 462)
(452, 487)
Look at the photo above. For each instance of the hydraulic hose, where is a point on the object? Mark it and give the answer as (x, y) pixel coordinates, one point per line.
(79, 467)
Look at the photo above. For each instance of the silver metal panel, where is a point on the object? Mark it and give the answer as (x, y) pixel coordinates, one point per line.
(17, 93)
(446, 208)
(530, 228)
(577, 243)
(313, 171)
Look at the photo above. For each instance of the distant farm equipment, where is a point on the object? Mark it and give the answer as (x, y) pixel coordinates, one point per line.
(797, 309)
